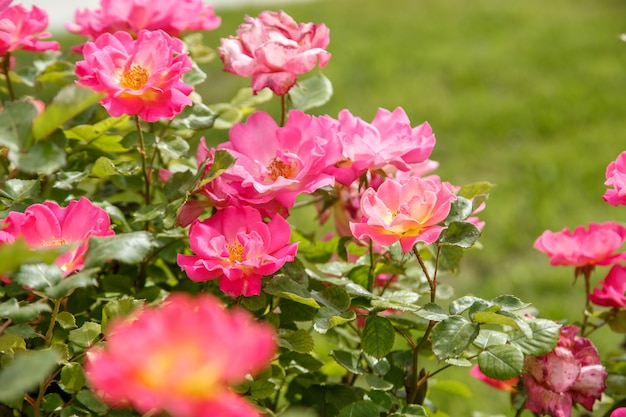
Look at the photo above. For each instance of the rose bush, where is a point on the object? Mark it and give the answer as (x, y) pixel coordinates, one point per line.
(147, 272)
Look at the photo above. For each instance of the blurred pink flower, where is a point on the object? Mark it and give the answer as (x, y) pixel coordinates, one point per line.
(616, 178)
(139, 77)
(181, 357)
(408, 211)
(273, 49)
(133, 16)
(506, 385)
(593, 246)
(619, 412)
(571, 373)
(238, 247)
(389, 142)
(49, 225)
(612, 291)
(21, 29)
(276, 164)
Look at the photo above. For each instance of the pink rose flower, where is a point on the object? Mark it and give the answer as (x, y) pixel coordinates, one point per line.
(619, 412)
(273, 49)
(49, 225)
(21, 29)
(389, 142)
(616, 178)
(139, 77)
(408, 211)
(571, 373)
(612, 291)
(181, 357)
(593, 246)
(238, 247)
(133, 16)
(276, 164)
(503, 385)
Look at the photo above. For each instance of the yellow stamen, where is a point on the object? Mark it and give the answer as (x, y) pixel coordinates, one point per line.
(54, 242)
(135, 77)
(278, 168)
(235, 252)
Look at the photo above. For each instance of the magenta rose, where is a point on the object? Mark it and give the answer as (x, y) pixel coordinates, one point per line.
(612, 291)
(21, 29)
(616, 178)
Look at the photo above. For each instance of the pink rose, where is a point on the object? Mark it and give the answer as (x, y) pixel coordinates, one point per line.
(273, 49)
(612, 291)
(166, 358)
(133, 16)
(593, 246)
(21, 29)
(49, 225)
(139, 77)
(616, 178)
(506, 385)
(238, 247)
(408, 211)
(570, 373)
(619, 412)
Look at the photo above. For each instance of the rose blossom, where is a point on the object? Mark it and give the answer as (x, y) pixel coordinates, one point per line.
(612, 291)
(238, 247)
(133, 16)
(503, 385)
(273, 49)
(593, 246)
(570, 373)
(21, 29)
(616, 178)
(276, 164)
(139, 77)
(408, 211)
(619, 412)
(49, 225)
(181, 357)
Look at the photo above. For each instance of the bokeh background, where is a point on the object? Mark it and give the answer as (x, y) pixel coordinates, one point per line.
(527, 94)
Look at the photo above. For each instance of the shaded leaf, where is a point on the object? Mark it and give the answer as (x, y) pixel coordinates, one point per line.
(25, 372)
(452, 336)
(501, 362)
(312, 92)
(130, 248)
(361, 408)
(378, 336)
(544, 337)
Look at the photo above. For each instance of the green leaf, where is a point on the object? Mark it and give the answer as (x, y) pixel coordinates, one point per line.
(25, 372)
(350, 361)
(86, 335)
(299, 340)
(52, 402)
(450, 337)
(462, 304)
(361, 408)
(70, 101)
(544, 337)
(286, 287)
(195, 76)
(221, 162)
(312, 92)
(16, 190)
(377, 383)
(38, 276)
(410, 411)
(66, 320)
(22, 313)
(501, 362)
(15, 122)
(42, 158)
(450, 258)
(328, 317)
(460, 210)
(196, 117)
(121, 307)
(432, 311)
(378, 336)
(130, 248)
(509, 303)
(72, 377)
(11, 343)
(66, 286)
(104, 167)
(470, 191)
(489, 317)
(89, 400)
(461, 234)
(487, 338)
(398, 300)
(301, 361)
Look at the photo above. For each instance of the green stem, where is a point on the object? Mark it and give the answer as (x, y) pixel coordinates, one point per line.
(588, 309)
(6, 63)
(283, 109)
(432, 283)
(144, 157)
(370, 274)
(53, 319)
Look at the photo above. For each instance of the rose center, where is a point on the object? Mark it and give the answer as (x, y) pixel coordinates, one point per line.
(235, 252)
(279, 168)
(54, 242)
(134, 78)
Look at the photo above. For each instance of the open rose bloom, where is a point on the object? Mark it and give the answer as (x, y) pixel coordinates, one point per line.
(133, 16)
(596, 245)
(273, 49)
(612, 291)
(616, 178)
(571, 373)
(408, 211)
(48, 225)
(21, 29)
(181, 357)
(238, 247)
(138, 77)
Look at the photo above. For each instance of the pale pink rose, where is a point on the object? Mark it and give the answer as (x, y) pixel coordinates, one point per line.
(619, 412)
(571, 373)
(276, 164)
(273, 49)
(133, 16)
(139, 77)
(21, 29)
(612, 291)
(48, 225)
(503, 385)
(616, 178)
(181, 357)
(407, 211)
(593, 246)
(238, 247)
(388, 143)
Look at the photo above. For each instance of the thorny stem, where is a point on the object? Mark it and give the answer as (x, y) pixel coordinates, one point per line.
(144, 157)
(6, 63)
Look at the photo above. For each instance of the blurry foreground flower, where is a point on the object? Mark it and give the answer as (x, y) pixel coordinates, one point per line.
(133, 16)
(139, 77)
(21, 29)
(181, 357)
(408, 211)
(506, 385)
(612, 291)
(583, 247)
(273, 49)
(616, 178)
(49, 225)
(619, 412)
(571, 373)
(238, 247)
